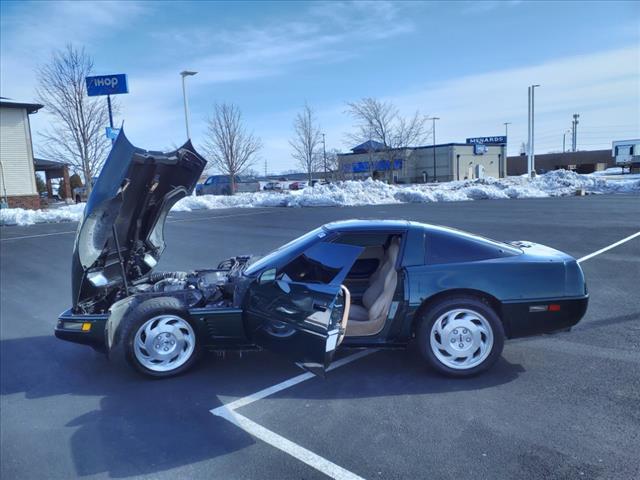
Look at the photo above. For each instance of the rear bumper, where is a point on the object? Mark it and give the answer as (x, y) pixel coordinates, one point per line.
(529, 318)
(69, 328)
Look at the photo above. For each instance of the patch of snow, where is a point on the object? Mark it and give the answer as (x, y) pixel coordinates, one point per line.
(371, 192)
(616, 173)
(20, 216)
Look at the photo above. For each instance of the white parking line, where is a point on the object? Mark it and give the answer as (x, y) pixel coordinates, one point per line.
(241, 402)
(278, 441)
(194, 219)
(170, 220)
(36, 236)
(613, 245)
(228, 412)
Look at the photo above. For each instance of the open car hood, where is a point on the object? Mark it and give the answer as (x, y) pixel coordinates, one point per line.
(127, 208)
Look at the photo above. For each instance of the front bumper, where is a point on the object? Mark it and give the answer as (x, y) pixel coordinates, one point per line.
(73, 328)
(525, 318)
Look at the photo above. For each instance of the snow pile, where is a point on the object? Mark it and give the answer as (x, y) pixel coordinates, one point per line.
(20, 216)
(370, 192)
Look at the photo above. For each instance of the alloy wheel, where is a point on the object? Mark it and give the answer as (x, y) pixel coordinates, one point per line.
(164, 343)
(461, 339)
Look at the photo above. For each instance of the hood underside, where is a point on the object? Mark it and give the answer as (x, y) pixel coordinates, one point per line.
(121, 235)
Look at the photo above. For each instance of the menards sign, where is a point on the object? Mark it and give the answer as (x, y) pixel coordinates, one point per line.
(499, 140)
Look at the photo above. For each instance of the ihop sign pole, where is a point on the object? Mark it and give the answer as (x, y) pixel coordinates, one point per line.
(108, 85)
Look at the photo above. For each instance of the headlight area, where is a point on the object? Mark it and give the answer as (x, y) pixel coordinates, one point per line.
(84, 329)
(76, 326)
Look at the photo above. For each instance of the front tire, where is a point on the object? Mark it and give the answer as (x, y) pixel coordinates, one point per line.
(460, 336)
(159, 339)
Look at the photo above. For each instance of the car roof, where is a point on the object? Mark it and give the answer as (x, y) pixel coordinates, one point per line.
(373, 225)
(356, 224)
(378, 224)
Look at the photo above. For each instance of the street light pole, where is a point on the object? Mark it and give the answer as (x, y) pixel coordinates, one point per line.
(574, 141)
(183, 74)
(434, 147)
(505, 154)
(564, 140)
(324, 155)
(531, 150)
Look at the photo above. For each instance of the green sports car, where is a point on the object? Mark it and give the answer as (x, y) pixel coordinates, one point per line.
(348, 284)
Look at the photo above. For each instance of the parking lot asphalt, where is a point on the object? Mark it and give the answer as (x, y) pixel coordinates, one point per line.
(561, 406)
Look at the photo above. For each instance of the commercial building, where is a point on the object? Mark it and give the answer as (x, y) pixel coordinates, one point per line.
(580, 162)
(477, 158)
(17, 171)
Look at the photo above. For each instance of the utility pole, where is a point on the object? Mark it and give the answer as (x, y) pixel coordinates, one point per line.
(265, 168)
(434, 147)
(564, 140)
(574, 137)
(531, 150)
(183, 74)
(505, 153)
(324, 155)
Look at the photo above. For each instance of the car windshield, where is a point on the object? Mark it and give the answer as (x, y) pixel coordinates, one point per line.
(297, 244)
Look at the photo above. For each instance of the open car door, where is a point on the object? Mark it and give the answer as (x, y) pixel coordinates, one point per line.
(298, 311)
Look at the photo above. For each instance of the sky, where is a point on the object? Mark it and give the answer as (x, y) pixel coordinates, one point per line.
(468, 63)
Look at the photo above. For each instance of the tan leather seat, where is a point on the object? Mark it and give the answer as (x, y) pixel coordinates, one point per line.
(369, 318)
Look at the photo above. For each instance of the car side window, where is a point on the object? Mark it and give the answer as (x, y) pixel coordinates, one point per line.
(323, 262)
(305, 269)
(452, 249)
(209, 181)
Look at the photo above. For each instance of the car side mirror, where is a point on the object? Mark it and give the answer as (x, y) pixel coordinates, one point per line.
(267, 276)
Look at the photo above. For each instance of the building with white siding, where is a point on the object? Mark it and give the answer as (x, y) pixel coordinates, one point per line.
(17, 172)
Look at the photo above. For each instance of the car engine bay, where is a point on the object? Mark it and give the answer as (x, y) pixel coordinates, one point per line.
(220, 287)
(199, 288)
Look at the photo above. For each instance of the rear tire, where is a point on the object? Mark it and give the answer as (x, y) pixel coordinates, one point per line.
(159, 339)
(460, 336)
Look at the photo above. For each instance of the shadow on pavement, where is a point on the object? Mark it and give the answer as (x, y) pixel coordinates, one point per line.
(147, 426)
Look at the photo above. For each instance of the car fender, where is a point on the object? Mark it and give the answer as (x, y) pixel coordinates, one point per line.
(122, 308)
(117, 313)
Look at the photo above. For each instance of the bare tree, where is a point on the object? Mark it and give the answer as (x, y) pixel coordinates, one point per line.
(382, 122)
(231, 149)
(76, 134)
(306, 141)
(333, 164)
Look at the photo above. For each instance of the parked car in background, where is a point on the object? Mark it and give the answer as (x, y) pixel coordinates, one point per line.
(319, 182)
(221, 185)
(273, 186)
(80, 194)
(297, 185)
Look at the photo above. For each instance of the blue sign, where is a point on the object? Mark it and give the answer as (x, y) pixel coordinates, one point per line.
(380, 165)
(112, 133)
(480, 149)
(107, 85)
(499, 140)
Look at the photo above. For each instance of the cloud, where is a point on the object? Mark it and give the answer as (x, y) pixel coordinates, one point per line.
(475, 7)
(324, 32)
(602, 87)
(27, 38)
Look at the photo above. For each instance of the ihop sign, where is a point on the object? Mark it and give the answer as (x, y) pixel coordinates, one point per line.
(107, 85)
